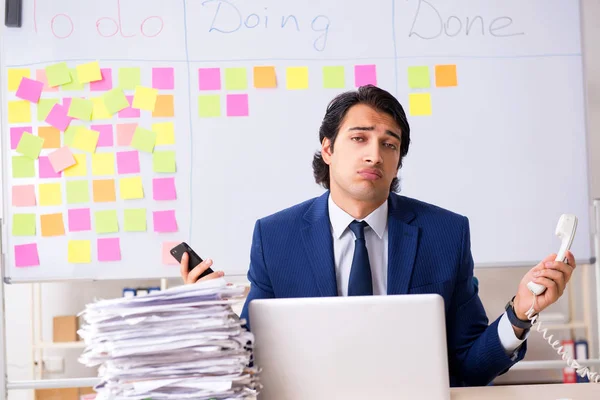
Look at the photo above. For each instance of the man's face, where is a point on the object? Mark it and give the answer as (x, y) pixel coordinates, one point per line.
(365, 155)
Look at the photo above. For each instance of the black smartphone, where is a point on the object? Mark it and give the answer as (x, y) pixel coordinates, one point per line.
(194, 259)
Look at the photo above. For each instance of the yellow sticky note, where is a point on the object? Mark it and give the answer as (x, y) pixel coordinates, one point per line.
(165, 133)
(50, 194)
(131, 188)
(144, 98)
(103, 164)
(89, 72)
(80, 251)
(86, 139)
(99, 110)
(296, 78)
(80, 167)
(419, 103)
(14, 77)
(19, 111)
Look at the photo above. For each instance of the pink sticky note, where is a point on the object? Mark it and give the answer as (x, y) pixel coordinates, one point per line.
(365, 75)
(30, 90)
(40, 75)
(23, 196)
(46, 169)
(237, 105)
(26, 255)
(79, 220)
(106, 135)
(164, 189)
(16, 133)
(164, 221)
(167, 258)
(163, 78)
(209, 78)
(58, 117)
(128, 162)
(129, 112)
(125, 134)
(61, 158)
(66, 102)
(109, 249)
(105, 83)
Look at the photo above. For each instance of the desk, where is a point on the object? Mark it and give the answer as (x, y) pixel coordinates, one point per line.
(579, 391)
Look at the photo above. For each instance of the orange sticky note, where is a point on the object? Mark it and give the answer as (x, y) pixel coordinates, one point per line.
(52, 224)
(51, 137)
(164, 106)
(264, 77)
(445, 76)
(104, 190)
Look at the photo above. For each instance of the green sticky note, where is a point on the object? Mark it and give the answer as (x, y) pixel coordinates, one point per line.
(81, 109)
(23, 167)
(129, 78)
(164, 161)
(334, 77)
(418, 77)
(74, 85)
(143, 140)
(69, 135)
(209, 105)
(23, 225)
(58, 74)
(135, 220)
(43, 108)
(236, 79)
(106, 221)
(78, 192)
(115, 100)
(30, 145)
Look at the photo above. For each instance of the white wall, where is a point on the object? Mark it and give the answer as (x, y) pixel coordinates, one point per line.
(496, 285)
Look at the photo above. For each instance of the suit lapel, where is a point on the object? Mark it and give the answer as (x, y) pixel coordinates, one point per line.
(318, 245)
(402, 246)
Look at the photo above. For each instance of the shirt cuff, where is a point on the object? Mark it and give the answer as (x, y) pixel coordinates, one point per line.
(509, 341)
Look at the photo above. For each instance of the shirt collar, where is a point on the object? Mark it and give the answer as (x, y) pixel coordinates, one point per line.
(340, 219)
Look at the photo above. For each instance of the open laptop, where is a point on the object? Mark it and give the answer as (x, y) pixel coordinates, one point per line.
(364, 347)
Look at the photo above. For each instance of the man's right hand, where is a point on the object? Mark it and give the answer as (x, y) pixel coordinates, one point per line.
(193, 275)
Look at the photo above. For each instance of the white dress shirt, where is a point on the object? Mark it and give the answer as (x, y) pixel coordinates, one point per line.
(376, 238)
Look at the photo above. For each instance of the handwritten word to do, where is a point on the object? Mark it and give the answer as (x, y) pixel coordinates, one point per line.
(62, 25)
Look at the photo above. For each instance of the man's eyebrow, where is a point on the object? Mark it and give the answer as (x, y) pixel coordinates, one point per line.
(371, 128)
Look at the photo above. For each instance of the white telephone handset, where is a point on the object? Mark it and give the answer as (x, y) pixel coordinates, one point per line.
(565, 230)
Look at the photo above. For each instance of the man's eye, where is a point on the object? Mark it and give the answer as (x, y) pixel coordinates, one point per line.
(357, 139)
(391, 146)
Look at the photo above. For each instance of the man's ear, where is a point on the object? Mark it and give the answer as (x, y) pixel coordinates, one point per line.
(326, 150)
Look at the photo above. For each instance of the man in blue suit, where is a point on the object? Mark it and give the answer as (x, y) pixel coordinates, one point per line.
(361, 238)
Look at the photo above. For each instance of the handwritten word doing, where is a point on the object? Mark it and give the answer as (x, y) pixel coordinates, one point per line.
(228, 19)
(62, 25)
(453, 25)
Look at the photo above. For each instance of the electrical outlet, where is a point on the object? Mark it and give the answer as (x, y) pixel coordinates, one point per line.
(54, 364)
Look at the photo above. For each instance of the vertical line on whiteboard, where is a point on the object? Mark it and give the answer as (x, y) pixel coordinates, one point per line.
(187, 63)
(395, 48)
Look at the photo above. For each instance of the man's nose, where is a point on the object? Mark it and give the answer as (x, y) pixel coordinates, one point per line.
(373, 154)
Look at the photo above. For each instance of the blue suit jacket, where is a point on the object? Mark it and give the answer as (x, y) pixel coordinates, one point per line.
(429, 251)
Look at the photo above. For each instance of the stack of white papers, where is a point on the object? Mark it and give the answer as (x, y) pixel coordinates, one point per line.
(180, 343)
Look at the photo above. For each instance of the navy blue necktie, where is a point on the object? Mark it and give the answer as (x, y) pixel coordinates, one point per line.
(360, 283)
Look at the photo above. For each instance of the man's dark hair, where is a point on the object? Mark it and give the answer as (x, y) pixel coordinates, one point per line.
(374, 97)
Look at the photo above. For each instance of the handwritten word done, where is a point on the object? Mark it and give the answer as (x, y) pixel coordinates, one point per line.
(429, 23)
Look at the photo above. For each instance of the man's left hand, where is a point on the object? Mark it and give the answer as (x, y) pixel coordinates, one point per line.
(554, 275)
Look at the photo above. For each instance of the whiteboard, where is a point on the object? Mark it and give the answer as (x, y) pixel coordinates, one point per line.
(505, 146)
